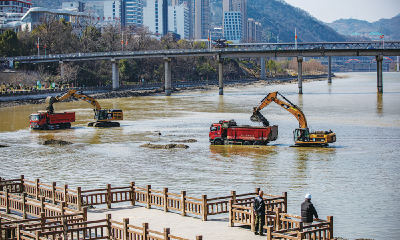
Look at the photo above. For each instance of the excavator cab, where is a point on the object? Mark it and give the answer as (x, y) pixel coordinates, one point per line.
(301, 135)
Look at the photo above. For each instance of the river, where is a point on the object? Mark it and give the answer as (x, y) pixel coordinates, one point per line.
(356, 179)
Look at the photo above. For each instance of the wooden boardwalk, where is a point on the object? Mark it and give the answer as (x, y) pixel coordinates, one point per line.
(185, 227)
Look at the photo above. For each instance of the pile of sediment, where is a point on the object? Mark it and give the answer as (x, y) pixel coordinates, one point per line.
(1, 146)
(56, 142)
(166, 146)
(186, 141)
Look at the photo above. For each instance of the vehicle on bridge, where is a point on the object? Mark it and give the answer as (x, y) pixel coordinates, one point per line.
(302, 135)
(227, 132)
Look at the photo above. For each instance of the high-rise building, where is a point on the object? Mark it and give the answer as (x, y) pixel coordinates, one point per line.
(155, 16)
(131, 13)
(254, 30)
(112, 10)
(78, 5)
(11, 13)
(233, 26)
(202, 19)
(237, 5)
(178, 20)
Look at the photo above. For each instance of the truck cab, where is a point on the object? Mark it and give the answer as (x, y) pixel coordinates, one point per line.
(218, 131)
(36, 120)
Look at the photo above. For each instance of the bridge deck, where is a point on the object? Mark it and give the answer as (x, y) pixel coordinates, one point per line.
(185, 227)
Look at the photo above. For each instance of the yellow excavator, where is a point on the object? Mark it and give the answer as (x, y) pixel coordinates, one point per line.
(103, 117)
(302, 135)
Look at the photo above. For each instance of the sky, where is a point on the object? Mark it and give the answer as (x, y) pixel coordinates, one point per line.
(331, 10)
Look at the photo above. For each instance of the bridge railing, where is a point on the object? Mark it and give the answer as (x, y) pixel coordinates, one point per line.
(317, 46)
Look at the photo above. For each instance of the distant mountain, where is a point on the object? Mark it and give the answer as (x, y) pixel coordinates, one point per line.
(354, 27)
(280, 20)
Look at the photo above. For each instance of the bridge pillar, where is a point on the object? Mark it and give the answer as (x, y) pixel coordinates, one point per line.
(263, 74)
(62, 73)
(300, 73)
(115, 73)
(167, 63)
(397, 63)
(329, 69)
(221, 75)
(379, 60)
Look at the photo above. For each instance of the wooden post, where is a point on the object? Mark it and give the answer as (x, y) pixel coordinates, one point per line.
(42, 205)
(233, 195)
(79, 198)
(133, 195)
(37, 188)
(145, 228)
(84, 215)
(330, 221)
(22, 177)
(1, 231)
(285, 204)
(300, 235)
(205, 207)
(42, 219)
(108, 195)
(230, 212)
(165, 192)
(1, 189)
(7, 202)
(183, 203)
(18, 231)
(199, 237)
(300, 226)
(166, 233)
(66, 194)
(38, 233)
(109, 233)
(269, 233)
(252, 219)
(278, 219)
(65, 228)
(24, 215)
(126, 234)
(148, 200)
(62, 206)
(53, 192)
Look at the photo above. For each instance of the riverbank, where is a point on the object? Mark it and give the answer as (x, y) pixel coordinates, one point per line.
(19, 100)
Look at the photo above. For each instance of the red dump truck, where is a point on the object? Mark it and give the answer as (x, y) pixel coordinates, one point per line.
(227, 132)
(45, 120)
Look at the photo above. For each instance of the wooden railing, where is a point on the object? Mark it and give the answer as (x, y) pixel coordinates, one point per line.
(68, 229)
(279, 224)
(27, 206)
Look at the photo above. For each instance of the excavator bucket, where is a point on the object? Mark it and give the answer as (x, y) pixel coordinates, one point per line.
(258, 117)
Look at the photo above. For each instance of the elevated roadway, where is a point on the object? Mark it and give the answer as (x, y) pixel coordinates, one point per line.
(378, 49)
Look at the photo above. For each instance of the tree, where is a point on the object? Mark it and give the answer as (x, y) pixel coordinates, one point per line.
(9, 44)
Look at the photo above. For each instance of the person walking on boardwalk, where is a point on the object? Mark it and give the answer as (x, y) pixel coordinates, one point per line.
(308, 211)
(259, 212)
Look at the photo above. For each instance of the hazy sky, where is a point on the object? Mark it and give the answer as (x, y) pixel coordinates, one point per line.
(331, 10)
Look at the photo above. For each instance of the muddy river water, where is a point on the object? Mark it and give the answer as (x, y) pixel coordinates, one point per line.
(356, 179)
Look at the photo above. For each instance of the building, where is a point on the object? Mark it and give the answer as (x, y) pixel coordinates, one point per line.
(80, 6)
(131, 13)
(201, 19)
(237, 5)
(254, 30)
(112, 10)
(178, 20)
(11, 13)
(232, 25)
(153, 16)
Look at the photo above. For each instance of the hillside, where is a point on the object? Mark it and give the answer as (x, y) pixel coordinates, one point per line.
(389, 27)
(281, 19)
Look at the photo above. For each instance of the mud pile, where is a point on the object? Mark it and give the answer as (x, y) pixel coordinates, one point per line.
(186, 141)
(1, 146)
(56, 142)
(166, 146)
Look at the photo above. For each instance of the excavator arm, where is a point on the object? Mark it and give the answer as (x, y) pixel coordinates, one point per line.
(286, 104)
(70, 93)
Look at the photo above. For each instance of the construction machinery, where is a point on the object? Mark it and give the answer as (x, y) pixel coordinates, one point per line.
(302, 135)
(43, 120)
(103, 117)
(228, 132)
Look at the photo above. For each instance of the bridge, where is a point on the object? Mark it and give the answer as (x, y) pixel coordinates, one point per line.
(377, 49)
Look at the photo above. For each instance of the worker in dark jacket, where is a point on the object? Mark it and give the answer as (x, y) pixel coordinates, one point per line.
(259, 212)
(308, 211)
